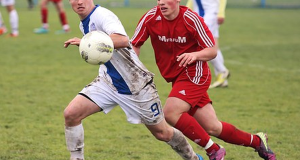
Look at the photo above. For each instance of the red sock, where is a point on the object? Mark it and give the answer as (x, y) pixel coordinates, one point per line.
(63, 18)
(231, 134)
(191, 129)
(44, 12)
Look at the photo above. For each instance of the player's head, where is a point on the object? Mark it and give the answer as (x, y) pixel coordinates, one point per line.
(169, 8)
(82, 7)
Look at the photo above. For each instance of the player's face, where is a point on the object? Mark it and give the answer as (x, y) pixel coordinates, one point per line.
(169, 8)
(82, 7)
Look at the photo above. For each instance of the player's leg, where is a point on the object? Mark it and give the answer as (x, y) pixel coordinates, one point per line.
(30, 4)
(3, 29)
(207, 118)
(1, 20)
(220, 69)
(175, 112)
(13, 20)
(62, 16)
(173, 137)
(146, 108)
(218, 63)
(44, 15)
(79, 108)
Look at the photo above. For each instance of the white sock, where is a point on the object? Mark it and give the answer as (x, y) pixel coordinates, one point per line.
(75, 141)
(218, 63)
(1, 21)
(66, 27)
(209, 144)
(14, 22)
(45, 25)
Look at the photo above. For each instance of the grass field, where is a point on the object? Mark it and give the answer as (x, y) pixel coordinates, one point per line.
(38, 78)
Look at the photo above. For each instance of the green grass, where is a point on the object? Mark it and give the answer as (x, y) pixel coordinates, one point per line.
(38, 78)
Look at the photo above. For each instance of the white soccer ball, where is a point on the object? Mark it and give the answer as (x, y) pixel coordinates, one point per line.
(96, 47)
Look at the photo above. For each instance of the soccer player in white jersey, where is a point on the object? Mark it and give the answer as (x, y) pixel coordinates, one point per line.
(13, 18)
(122, 81)
(182, 45)
(213, 12)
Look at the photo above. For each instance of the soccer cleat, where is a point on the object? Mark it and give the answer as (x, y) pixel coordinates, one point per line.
(263, 149)
(3, 30)
(217, 155)
(221, 80)
(13, 35)
(224, 84)
(41, 30)
(200, 157)
(63, 31)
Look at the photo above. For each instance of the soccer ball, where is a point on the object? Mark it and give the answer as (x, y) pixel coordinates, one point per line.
(96, 47)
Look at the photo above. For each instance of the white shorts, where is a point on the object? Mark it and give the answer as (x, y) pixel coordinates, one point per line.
(7, 2)
(211, 20)
(144, 107)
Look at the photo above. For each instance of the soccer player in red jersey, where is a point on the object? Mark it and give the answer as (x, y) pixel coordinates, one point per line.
(122, 82)
(44, 14)
(182, 45)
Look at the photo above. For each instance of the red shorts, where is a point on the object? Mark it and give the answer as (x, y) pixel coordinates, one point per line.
(194, 94)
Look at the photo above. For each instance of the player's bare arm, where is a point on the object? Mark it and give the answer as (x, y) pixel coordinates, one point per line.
(137, 49)
(72, 41)
(120, 41)
(203, 55)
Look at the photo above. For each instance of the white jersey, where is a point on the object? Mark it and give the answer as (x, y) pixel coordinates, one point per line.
(208, 9)
(127, 82)
(125, 73)
(205, 7)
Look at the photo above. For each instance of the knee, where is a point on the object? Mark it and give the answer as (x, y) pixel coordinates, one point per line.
(171, 116)
(214, 129)
(71, 116)
(68, 114)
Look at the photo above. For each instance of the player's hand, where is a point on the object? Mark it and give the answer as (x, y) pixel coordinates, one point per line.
(72, 41)
(186, 59)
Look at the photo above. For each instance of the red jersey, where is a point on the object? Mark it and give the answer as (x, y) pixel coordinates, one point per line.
(186, 33)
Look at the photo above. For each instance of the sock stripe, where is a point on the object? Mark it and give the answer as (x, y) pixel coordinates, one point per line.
(251, 139)
(209, 144)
